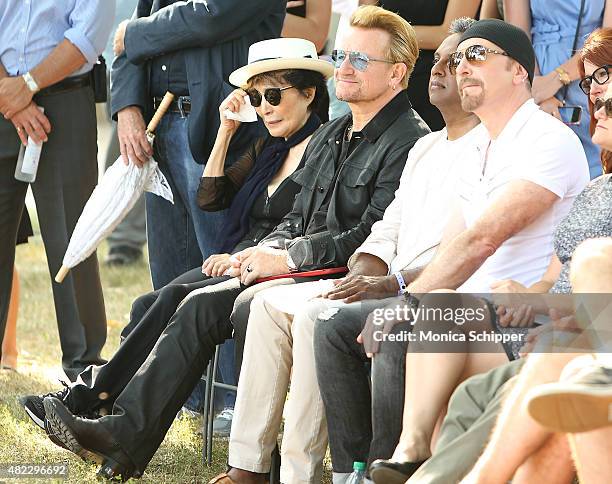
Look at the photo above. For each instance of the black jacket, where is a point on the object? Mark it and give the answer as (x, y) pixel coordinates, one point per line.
(215, 36)
(365, 186)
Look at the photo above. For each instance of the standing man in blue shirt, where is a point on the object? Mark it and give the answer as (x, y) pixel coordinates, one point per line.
(47, 51)
(188, 48)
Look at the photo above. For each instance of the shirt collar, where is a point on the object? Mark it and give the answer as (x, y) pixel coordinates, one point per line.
(517, 121)
(386, 116)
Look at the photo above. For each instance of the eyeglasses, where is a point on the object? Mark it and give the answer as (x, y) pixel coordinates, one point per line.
(358, 60)
(475, 54)
(272, 95)
(600, 103)
(600, 76)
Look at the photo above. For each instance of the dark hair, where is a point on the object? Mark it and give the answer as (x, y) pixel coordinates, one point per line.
(597, 50)
(301, 79)
(460, 25)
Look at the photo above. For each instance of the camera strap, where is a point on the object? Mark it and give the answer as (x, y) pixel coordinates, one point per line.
(575, 44)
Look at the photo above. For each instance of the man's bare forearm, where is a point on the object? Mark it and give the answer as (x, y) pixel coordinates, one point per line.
(369, 265)
(65, 59)
(455, 264)
(3, 72)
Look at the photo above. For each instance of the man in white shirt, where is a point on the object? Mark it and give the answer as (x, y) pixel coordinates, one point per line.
(407, 236)
(517, 183)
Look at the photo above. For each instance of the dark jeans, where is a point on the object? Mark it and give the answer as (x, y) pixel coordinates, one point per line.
(180, 235)
(363, 425)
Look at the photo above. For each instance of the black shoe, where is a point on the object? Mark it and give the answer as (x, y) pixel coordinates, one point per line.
(33, 404)
(89, 440)
(122, 255)
(389, 472)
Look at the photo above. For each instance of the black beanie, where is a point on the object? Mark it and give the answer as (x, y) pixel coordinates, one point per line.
(508, 37)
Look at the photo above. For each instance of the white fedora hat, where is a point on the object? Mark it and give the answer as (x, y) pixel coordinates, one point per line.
(279, 54)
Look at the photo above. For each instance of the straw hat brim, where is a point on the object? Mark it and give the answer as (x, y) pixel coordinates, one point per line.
(240, 76)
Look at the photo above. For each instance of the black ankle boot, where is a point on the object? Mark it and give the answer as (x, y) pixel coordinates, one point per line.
(89, 440)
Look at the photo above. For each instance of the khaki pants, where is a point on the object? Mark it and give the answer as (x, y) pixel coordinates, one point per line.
(279, 347)
(472, 413)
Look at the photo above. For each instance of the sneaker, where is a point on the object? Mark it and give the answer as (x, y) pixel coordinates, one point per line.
(222, 424)
(581, 403)
(122, 255)
(33, 404)
(185, 412)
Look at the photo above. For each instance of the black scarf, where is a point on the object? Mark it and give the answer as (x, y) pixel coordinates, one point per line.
(265, 167)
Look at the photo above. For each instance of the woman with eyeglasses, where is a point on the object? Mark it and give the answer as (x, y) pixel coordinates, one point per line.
(557, 29)
(589, 217)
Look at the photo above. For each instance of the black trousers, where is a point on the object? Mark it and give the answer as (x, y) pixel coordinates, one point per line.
(161, 360)
(67, 174)
(149, 317)
(364, 411)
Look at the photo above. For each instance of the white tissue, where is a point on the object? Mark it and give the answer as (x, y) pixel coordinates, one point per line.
(247, 113)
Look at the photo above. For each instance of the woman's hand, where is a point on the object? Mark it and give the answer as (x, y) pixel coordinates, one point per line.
(233, 103)
(551, 106)
(216, 265)
(509, 314)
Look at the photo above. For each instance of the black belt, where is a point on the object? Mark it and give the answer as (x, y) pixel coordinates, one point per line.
(181, 104)
(68, 84)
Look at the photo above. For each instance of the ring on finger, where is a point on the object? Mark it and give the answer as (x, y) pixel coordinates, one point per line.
(19, 129)
(249, 268)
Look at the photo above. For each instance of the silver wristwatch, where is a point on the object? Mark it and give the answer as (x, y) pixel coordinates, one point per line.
(292, 266)
(30, 82)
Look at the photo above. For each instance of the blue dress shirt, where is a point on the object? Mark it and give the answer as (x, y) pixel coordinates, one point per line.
(31, 29)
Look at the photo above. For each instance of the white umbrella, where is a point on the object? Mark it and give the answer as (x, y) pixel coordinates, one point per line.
(113, 198)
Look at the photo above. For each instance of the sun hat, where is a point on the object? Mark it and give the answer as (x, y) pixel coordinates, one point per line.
(279, 54)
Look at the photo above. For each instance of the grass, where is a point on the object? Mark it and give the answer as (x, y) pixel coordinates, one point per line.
(178, 460)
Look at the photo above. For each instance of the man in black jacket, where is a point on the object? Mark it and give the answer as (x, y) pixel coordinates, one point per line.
(189, 49)
(352, 169)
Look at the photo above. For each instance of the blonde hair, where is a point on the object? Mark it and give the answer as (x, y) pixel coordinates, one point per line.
(403, 47)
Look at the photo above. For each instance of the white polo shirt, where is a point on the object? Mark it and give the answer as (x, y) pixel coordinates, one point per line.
(411, 229)
(536, 147)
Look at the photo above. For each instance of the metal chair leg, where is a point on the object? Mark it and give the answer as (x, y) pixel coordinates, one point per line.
(211, 406)
(207, 442)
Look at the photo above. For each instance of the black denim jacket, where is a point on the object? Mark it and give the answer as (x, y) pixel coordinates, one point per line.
(363, 189)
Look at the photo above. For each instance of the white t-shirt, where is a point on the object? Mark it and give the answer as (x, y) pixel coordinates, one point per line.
(538, 148)
(411, 228)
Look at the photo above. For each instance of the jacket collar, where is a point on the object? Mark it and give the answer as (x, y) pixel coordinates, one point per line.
(386, 116)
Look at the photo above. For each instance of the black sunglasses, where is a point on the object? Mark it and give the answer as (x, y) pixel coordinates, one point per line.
(600, 76)
(359, 60)
(600, 103)
(272, 95)
(475, 54)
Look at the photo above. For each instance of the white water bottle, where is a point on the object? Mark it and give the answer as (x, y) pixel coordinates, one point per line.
(27, 163)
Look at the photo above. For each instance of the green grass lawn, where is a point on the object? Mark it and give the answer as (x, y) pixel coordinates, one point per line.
(178, 460)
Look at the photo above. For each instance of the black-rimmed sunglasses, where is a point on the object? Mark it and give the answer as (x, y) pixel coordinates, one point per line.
(601, 103)
(601, 75)
(474, 54)
(271, 94)
(359, 60)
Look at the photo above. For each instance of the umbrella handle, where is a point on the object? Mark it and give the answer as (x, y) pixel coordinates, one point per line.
(61, 274)
(161, 110)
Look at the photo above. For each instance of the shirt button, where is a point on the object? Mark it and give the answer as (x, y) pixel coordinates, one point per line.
(321, 189)
(164, 68)
(21, 59)
(337, 142)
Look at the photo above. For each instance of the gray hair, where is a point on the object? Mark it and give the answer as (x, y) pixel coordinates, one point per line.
(460, 25)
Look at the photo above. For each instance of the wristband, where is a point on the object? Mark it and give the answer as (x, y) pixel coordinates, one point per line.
(403, 288)
(30, 82)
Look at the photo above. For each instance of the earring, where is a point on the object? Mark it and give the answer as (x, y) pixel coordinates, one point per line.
(394, 87)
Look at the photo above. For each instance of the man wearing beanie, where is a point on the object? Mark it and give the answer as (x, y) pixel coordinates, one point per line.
(521, 178)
